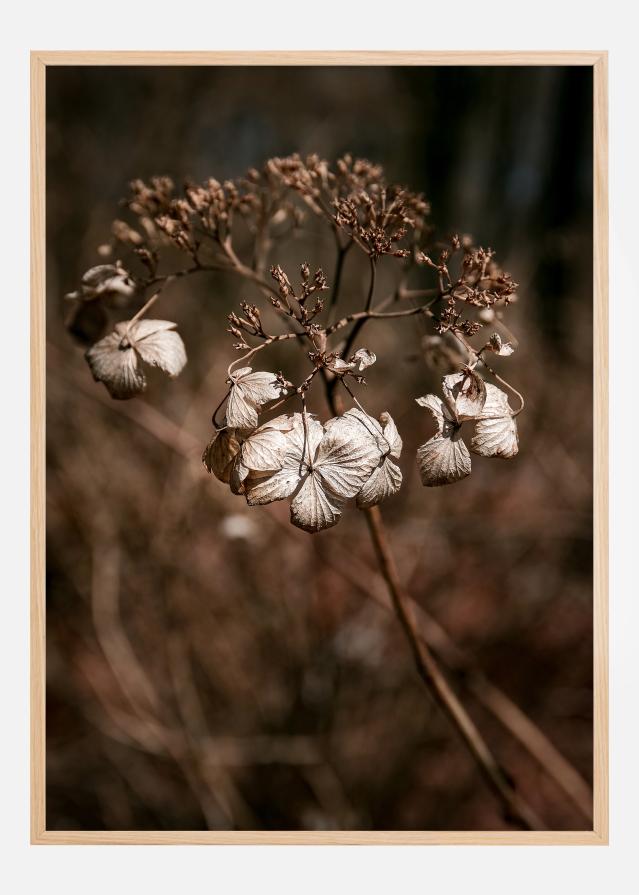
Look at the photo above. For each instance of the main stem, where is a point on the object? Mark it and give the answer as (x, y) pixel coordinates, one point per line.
(516, 808)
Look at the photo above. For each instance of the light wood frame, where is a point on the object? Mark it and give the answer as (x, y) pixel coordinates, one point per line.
(598, 60)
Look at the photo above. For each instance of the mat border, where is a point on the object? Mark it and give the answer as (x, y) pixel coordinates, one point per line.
(598, 60)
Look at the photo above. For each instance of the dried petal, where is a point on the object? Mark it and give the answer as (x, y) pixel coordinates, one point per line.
(116, 365)
(158, 344)
(346, 457)
(465, 393)
(262, 488)
(496, 429)
(301, 438)
(385, 481)
(363, 358)
(249, 392)
(496, 344)
(338, 365)
(104, 281)
(444, 458)
(386, 478)
(313, 508)
(391, 434)
(114, 359)
(220, 453)
(438, 410)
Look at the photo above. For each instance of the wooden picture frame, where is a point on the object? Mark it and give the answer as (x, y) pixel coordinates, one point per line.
(40, 61)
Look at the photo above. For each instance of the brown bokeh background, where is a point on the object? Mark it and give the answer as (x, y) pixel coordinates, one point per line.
(209, 665)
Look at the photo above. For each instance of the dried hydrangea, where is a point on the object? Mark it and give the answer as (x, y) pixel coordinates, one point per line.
(319, 467)
(115, 360)
(444, 458)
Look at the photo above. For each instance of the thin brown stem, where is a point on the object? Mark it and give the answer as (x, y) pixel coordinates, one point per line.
(339, 268)
(375, 315)
(516, 808)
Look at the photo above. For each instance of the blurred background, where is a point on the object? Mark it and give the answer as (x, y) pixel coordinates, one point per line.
(208, 665)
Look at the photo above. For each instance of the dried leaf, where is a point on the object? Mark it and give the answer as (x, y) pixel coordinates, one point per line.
(249, 392)
(496, 429)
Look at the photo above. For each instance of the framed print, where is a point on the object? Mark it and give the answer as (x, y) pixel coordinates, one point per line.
(319, 450)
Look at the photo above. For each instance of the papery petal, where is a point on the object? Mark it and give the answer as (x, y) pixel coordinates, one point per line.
(261, 488)
(116, 367)
(220, 453)
(466, 392)
(303, 439)
(443, 459)
(261, 387)
(385, 481)
(240, 413)
(496, 429)
(391, 434)
(249, 391)
(363, 358)
(312, 509)
(106, 278)
(159, 345)
(438, 410)
(265, 450)
(496, 344)
(346, 457)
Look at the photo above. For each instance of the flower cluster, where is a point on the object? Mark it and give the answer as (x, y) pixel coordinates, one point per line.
(318, 466)
(466, 398)
(353, 456)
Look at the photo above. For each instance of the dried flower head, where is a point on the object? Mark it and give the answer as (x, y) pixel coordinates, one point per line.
(105, 281)
(318, 467)
(114, 360)
(444, 458)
